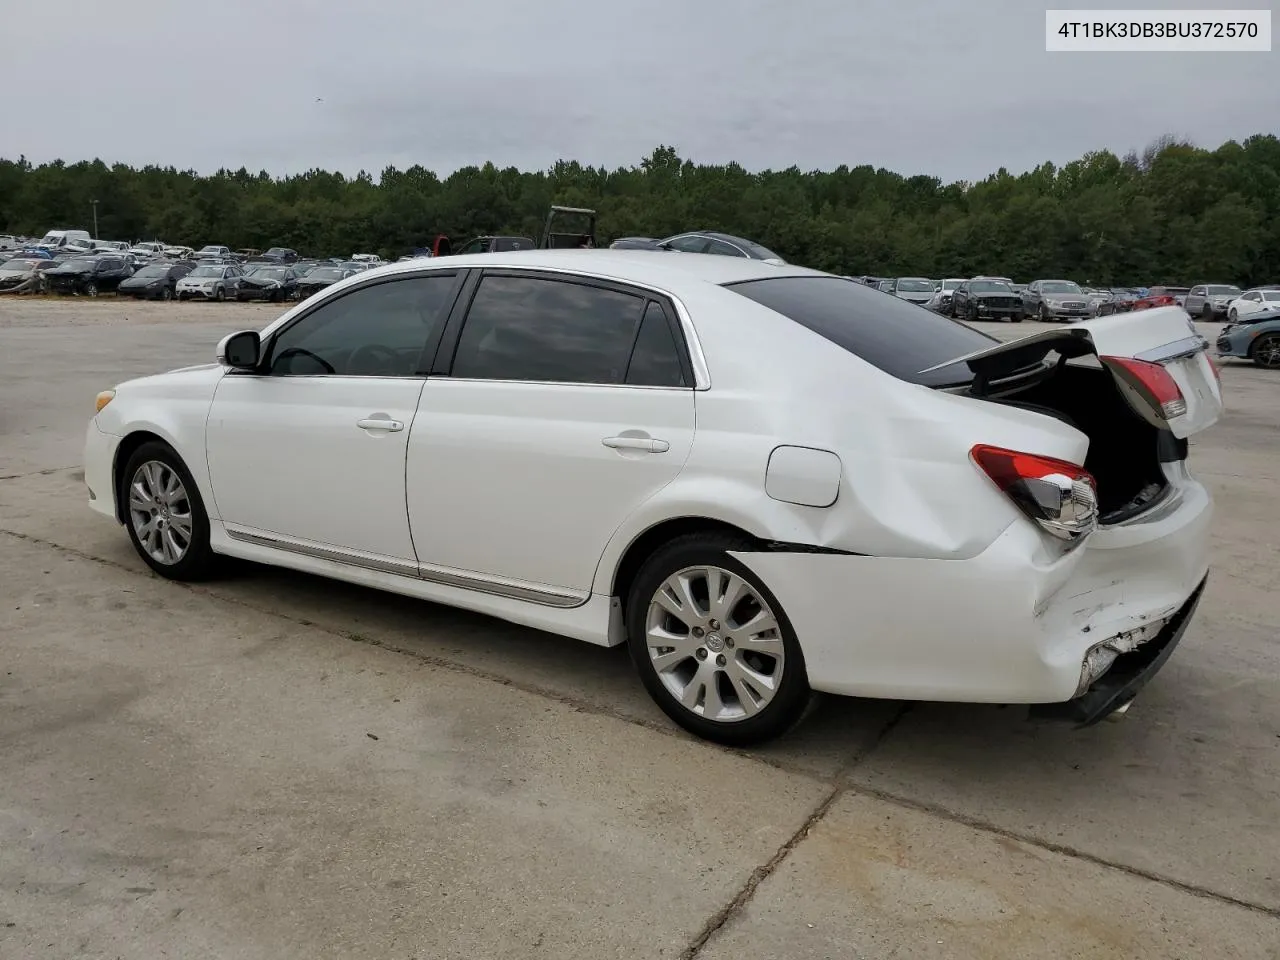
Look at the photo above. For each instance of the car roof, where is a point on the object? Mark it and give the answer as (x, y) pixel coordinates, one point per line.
(634, 266)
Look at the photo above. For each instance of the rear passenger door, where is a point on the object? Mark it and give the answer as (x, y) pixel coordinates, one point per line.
(556, 407)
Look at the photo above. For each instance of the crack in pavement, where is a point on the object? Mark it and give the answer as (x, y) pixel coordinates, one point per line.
(838, 782)
(761, 873)
(37, 473)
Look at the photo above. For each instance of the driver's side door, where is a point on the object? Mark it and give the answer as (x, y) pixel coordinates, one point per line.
(307, 453)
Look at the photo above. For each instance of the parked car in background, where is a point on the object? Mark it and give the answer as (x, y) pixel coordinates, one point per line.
(940, 302)
(272, 282)
(1255, 336)
(280, 255)
(173, 252)
(1161, 297)
(1056, 300)
(87, 275)
(1096, 296)
(25, 274)
(214, 252)
(147, 248)
(324, 275)
(1207, 301)
(157, 280)
(1252, 301)
(917, 290)
(66, 242)
(985, 299)
(702, 241)
(210, 281)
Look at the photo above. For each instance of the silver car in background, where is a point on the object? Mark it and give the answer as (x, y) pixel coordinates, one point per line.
(1210, 300)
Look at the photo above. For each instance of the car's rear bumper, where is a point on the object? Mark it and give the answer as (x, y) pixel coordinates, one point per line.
(1014, 624)
(1127, 675)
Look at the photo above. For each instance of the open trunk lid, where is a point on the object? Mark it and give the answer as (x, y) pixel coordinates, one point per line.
(1149, 352)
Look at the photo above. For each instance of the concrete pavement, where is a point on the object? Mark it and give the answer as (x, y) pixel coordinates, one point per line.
(277, 766)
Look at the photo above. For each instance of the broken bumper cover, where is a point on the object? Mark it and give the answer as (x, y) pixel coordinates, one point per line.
(1127, 675)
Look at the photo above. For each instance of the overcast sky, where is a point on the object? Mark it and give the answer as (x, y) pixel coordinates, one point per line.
(953, 88)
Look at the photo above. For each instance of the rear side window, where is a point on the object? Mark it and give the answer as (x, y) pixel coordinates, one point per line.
(900, 338)
(530, 328)
(655, 361)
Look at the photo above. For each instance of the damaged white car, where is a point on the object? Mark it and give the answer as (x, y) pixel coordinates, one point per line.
(766, 480)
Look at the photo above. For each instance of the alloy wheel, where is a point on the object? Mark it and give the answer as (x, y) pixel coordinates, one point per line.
(1266, 351)
(160, 512)
(715, 643)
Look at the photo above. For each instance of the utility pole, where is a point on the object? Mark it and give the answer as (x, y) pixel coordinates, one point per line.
(95, 218)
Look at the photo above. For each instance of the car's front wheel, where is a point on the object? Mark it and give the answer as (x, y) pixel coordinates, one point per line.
(1265, 351)
(219, 294)
(713, 646)
(165, 515)
(166, 293)
(1232, 315)
(90, 289)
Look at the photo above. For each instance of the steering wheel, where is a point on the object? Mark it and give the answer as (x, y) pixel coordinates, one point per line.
(291, 352)
(379, 357)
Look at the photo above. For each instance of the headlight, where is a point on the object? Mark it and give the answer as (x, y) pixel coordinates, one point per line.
(105, 397)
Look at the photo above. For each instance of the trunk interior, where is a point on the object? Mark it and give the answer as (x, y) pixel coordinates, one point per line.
(1126, 452)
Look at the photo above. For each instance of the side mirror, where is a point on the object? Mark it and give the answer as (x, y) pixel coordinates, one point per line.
(241, 351)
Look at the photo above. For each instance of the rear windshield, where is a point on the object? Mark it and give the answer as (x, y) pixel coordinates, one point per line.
(888, 332)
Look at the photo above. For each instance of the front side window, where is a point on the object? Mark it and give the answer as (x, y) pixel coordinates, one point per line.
(530, 328)
(375, 331)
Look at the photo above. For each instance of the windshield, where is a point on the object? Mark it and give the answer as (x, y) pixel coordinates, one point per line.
(1059, 286)
(80, 263)
(757, 251)
(1223, 291)
(951, 284)
(890, 333)
(269, 273)
(210, 249)
(151, 273)
(326, 273)
(989, 286)
(51, 238)
(913, 285)
(277, 252)
(206, 272)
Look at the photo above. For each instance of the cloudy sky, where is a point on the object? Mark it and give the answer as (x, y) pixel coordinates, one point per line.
(953, 89)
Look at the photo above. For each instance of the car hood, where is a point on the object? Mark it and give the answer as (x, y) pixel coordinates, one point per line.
(261, 281)
(14, 273)
(199, 281)
(916, 297)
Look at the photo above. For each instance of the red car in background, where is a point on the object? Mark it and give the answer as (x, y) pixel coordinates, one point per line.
(1162, 297)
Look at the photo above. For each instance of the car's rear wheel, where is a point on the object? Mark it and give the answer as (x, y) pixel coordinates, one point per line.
(1232, 315)
(165, 515)
(90, 289)
(713, 646)
(166, 293)
(1265, 351)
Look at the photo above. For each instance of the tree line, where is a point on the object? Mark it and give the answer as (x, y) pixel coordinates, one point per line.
(1173, 213)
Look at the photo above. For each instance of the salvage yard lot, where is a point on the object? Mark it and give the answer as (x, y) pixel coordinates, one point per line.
(276, 766)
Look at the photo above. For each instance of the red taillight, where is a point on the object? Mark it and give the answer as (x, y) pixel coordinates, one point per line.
(1061, 497)
(1154, 381)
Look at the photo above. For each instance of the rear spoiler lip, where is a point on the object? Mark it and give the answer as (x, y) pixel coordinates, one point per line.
(1177, 350)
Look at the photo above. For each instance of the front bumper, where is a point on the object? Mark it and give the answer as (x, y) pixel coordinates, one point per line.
(1069, 313)
(202, 293)
(99, 467)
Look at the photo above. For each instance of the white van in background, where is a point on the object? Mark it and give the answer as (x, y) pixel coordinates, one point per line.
(68, 241)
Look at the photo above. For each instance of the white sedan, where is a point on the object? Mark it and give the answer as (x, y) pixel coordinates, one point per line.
(1251, 301)
(765, 480)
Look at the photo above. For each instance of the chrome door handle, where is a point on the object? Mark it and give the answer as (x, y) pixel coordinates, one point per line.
(646, 444)
(377, 423)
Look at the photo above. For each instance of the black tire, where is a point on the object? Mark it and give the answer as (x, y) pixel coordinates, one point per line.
(90, 289)
(1044, 313)
(1016, 317)
(166, 293)
(1206, 313)
(788, 704)
(1232, 316)
(1265, 351)
(219, 294)
(971, 313)
(198, 562)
